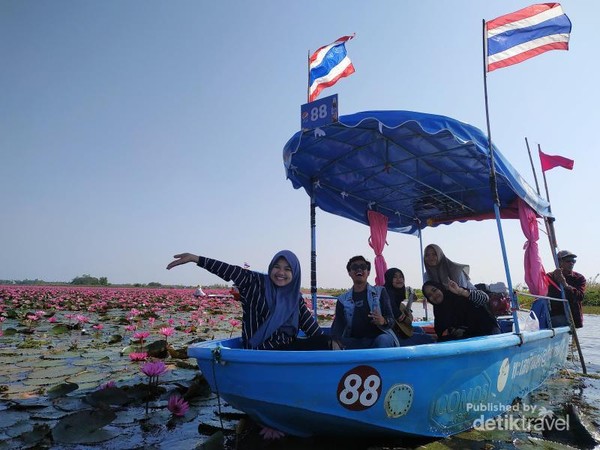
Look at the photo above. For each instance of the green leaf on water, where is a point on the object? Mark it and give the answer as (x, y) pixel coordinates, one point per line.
(59, 329)
(83, 427)
(61, 390)
(108, 396)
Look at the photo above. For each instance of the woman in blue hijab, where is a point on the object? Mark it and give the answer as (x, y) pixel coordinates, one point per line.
(272, 304)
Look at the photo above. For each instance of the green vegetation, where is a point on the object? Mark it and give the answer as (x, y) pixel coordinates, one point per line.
(88, 280)
(591, 302)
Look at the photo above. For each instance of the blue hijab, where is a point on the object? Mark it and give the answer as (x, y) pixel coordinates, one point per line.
(283, 302)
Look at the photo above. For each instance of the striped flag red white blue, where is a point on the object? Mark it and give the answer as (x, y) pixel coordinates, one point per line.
(526, 33)
(327, 65)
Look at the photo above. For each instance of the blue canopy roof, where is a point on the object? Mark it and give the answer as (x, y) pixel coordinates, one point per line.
(417, 169)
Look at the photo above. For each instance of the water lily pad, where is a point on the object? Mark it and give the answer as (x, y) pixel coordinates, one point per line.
(187, 417)
(129, 416)
(100, 355)
(10, 418)
(42, 383)
(17, 390)
(38, 363)
(130, 349)
(63, 355)
(61, 390)
(60, 329)
(115, 338)
(49, 413)
(88, 377)
(69, 404)
(108, 396)
(37, 434)
(54, 372)
(83, 427)
(19, 428)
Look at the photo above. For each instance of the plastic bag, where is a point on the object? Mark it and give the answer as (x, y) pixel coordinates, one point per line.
(528, 321)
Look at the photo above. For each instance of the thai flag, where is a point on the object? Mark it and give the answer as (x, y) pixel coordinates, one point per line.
(327, 65)
(529, 32)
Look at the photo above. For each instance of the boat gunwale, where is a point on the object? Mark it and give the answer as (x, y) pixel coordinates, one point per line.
(475, 345)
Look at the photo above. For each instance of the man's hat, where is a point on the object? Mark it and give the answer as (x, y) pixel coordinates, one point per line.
(565, 254)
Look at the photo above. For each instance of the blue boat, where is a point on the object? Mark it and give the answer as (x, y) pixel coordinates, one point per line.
(418, 170)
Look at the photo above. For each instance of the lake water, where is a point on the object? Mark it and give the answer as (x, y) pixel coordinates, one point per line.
(583, 392)
(588, 339)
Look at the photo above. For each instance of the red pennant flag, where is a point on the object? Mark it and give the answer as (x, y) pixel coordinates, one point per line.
(552, 161)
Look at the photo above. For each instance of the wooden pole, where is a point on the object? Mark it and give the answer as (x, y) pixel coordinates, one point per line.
(567, 306)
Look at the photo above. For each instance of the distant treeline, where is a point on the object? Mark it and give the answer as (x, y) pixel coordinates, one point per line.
(88, 280)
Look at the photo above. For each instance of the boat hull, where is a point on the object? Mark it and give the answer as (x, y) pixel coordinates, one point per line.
(429, 390)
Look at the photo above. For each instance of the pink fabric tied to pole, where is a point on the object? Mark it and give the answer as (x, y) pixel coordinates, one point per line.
(535, 275)
(378, 224)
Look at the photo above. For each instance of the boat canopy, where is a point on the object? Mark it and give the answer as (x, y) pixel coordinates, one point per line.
(417, 169)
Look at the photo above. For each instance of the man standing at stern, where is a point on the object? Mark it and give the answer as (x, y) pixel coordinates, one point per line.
(573, 284)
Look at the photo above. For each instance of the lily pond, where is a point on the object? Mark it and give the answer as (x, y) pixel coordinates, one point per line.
(107, 368)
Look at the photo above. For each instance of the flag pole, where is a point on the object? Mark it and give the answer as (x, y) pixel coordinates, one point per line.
(308, 78)
(547, 220)
(313, 224)
(554, 245)
(551, 232)
(537, 185)
(494, 187)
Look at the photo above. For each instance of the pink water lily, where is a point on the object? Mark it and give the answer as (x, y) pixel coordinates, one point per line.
(108, 384)
(81, 318)
(141, 335)
(138, 356)
(271, 434)
(167, 331)
(153, 369)
(177, 405)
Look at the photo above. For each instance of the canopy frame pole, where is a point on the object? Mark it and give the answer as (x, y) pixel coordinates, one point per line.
(313, 251)
(422, 268)
(494, 188)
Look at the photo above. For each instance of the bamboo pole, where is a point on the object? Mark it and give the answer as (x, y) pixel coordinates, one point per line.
(554, 247)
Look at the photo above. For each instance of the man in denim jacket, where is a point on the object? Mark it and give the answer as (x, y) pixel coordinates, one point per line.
(363, 314)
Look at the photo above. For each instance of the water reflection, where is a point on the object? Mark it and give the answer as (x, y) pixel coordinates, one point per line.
(588, 339)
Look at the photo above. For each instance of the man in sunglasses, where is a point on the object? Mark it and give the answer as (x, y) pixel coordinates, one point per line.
(573, 284)
(363, 314)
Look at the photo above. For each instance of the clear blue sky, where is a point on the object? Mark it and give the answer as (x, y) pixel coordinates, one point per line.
(134, 130)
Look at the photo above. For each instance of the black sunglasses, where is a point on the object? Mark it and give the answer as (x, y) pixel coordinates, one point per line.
(356, 267)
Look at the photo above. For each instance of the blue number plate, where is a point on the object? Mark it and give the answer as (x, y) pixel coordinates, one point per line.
(318, 113)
